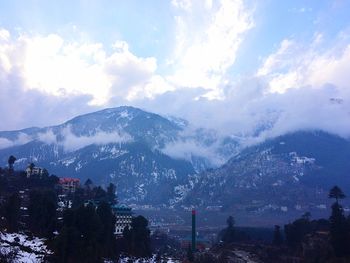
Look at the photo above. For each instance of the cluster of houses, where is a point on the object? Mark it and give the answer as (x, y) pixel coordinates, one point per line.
(68, 186)
(122, 212)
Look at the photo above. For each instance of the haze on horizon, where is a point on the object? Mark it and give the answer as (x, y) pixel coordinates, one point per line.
(231, 65)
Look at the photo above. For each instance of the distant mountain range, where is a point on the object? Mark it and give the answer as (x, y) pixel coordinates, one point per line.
(145, 154)
(161, 160)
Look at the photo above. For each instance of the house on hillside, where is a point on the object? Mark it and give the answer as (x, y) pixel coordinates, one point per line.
(33, 171)
(68, 185)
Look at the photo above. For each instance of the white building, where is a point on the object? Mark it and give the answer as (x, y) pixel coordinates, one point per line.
(123, 216)
(35, 171)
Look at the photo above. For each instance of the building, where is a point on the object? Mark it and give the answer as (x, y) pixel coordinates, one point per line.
(33, 171)
(69, 185)
(123, 216)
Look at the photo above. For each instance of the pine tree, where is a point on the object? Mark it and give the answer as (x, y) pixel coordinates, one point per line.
(137, 239)
(228, 234)
(277, 237)
(296, 231)
(107, 238)
(338, 230)
(88, 184)
(336, 193)
(42, 212)
(338, 224)
(12, 212)
(100, 194)
(80, 238)
(111, 194)
(10, 162)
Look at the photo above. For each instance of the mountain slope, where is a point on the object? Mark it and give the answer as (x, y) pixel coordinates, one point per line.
(123, 145)
(156, 160)
(290, 173)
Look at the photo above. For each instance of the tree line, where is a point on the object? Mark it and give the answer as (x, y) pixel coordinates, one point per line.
(334, 231)
(83, 232)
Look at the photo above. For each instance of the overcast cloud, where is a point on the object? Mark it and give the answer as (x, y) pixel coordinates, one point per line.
(292, 79)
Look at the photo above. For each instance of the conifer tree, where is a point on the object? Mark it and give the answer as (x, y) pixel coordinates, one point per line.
(11, 161)
(111, 196)
(338, 227)
(277, 237)
(42, 212)
(12, 212)
(137, 239)
(228, 234)
(336, 193)
(107, 238)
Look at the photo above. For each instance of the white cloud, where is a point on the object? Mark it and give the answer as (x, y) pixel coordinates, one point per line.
(53, 66)
(182, 4)
(251, 114)
(133, 77)
(277, 59)
(207, 41)
(47, 137)
(72, 142)
(68, 140)
(4, 35)
(187, 149)
(296, 65)
(21, 139)
(53, 79)
(5, 143)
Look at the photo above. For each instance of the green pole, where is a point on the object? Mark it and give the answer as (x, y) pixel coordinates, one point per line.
(193, 230)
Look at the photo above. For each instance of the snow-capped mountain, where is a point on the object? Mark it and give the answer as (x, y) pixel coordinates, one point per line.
(164, 160)
(145, 154)
(293, 172)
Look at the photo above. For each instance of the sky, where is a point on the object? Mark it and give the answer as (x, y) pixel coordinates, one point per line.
(235, 66)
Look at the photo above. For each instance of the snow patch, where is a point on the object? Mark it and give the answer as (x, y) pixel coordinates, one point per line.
(27, 249)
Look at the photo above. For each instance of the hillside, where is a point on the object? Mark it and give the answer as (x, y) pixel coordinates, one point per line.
(290, 173)
(132, 148)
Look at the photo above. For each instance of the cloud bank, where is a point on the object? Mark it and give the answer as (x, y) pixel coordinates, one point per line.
(188, 149)
(71, 142)
(21, 139)
(300, 84)
(67, 139)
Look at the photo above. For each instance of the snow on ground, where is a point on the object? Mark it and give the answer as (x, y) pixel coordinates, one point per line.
(145, 260)
(33, 250)
(244, 256)
(28, 249)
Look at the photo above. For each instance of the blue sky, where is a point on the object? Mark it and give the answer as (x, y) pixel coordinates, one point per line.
(251, 59)
(148, 26)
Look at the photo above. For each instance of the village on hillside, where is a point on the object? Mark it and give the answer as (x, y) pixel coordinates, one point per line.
(46, 218)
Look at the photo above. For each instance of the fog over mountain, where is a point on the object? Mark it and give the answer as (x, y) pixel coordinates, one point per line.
(165, 161)
(215, 64)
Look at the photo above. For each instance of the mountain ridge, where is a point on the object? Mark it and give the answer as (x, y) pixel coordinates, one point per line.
(152, 160)
(123, 145)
